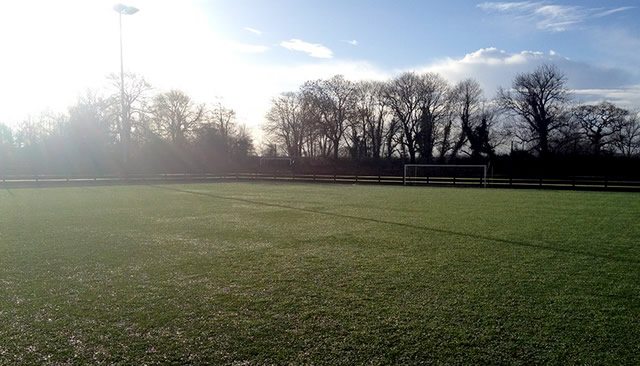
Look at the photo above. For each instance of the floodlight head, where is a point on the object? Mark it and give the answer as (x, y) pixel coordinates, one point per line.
(126, 10)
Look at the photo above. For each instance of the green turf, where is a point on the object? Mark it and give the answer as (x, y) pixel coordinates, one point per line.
(322, 274)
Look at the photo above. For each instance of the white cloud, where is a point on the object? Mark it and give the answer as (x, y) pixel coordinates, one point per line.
(312, 49)
(493, 68)
(191, 54)
(559, 18)
(352, 42)
(507, 6)
(613, 11)
(549, 17)
(249, 88)
(626, 96)
(253, 30)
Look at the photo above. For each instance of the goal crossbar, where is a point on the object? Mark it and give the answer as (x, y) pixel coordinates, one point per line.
(483, 167)
(283, 159)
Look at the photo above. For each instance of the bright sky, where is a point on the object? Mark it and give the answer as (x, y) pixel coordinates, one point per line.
(246, 52)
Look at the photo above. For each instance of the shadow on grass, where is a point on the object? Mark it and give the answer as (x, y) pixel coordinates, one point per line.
(412, 226)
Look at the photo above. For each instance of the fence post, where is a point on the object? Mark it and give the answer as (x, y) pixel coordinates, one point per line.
(379, 179)
(540, 181)
(356, 178)
(454, 180)
(606, 182)
(314, 177)
(334, 178)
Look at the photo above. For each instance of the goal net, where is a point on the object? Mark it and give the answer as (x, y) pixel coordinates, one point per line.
(276, 164)
(437, 174)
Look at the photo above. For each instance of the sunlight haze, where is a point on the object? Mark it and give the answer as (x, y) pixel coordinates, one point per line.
(245, 53)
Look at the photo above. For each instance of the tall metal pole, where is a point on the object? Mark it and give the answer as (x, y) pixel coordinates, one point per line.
(124, 123)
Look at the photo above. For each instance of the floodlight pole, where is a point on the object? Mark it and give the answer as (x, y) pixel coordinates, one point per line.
(125, 127)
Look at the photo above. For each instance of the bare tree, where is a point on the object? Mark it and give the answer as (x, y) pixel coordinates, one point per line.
(432, 112)
(224, 119)
(6, 136)
(403, 94)
(392, 138)
(243, 143)
(176, 116)
(539, 100)
(268, 149)
(90, 120)
(34, 131)
(286, 122)
(487, 132)
(599, 123)
(29, 133)
(317, 142)
(335, 100)
(446, 133)
(466, 102)
(627, 136)
(370, 119)
(128, 111)
(6, 147)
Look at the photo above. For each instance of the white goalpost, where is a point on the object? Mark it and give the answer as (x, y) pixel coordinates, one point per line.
(276, 165)
(276, 161)
(445, 174)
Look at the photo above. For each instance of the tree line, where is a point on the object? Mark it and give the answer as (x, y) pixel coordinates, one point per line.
(425, 118)
(139, 130)
(410, 118)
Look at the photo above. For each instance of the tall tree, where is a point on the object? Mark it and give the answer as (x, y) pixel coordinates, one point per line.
(476, 119)
(129, 110)
(224, 119)
(370, 120)
(286, 122)
(539, 99)
(90, 121)
(486, 134)
(433, 110)
(391, 138)
(466, 101)
(35, 131)
(403, 94)
(6, 136)
(176, 116)
(242, 145)
(627, 136)
(335, 100)
(599, 123)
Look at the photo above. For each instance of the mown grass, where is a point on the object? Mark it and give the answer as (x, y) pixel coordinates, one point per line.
(322, 274)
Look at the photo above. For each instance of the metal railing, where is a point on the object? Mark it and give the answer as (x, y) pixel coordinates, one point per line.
(576, 183)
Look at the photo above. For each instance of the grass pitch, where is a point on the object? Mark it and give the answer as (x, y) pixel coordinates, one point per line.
(323, 274)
